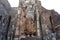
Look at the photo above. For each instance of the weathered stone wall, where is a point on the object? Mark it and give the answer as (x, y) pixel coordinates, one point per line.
(4, 7)
(56, 25)
(36, 8)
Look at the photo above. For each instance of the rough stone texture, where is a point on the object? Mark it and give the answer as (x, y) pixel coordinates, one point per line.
(32, 8)
(13, 12)
(4, 7)
(56, 25)
(44, 14)
(27, 17)
(46, 21)
(36, 8)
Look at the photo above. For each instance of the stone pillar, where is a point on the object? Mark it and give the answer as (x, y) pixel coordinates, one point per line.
(38, 6)
(38, 25)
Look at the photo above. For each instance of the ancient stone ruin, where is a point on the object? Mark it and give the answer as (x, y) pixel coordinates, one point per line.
(29, 21)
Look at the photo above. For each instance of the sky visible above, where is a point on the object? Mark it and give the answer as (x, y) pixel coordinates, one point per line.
(48, 4)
